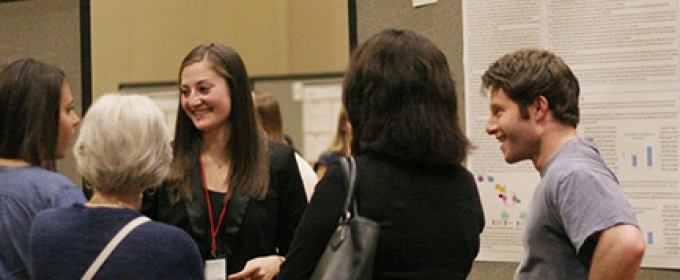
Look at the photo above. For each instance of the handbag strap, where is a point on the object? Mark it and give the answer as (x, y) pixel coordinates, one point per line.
(99, 261)
(349, 169)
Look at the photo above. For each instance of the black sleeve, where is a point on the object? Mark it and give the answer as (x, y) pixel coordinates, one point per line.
(316, 227)
(291, 192)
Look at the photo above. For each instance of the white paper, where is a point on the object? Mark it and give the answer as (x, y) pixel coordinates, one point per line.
(418, 3)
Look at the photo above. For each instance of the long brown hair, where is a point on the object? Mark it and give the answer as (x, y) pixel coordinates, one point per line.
(30, 100)
(247, 143)
(339, 143)
(269, 114)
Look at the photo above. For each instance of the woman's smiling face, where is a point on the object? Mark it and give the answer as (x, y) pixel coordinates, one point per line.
(205, 96)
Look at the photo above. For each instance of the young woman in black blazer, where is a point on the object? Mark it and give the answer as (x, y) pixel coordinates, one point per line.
(237, 194)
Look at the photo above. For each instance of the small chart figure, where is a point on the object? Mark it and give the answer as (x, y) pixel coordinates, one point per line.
(508, 197)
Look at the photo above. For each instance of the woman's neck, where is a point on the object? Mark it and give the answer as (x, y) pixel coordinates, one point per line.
(216, 137)
(13, 162)
(213, 145)
(216, 159)
(116, 200)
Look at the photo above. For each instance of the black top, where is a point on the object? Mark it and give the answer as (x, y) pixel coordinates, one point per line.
(251, 228)
(430, 217)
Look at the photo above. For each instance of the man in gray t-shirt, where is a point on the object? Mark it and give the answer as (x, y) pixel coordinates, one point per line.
(579, 224)
(577, 198)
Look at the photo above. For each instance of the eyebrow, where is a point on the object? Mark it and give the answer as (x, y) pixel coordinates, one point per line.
(493, 105)
(199, 82)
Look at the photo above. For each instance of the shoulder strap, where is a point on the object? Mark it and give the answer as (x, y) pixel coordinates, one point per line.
(349, 171)
(99, 261)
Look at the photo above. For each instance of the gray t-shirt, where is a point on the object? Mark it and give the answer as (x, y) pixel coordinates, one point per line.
(576, 197)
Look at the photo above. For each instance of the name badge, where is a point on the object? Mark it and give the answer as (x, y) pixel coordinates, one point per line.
(216, 269)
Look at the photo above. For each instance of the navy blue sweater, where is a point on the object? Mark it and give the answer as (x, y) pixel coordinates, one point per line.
(65, 241)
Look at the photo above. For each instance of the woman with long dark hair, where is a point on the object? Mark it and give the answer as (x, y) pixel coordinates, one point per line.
(409, 147)
(237, 194)
(37, 122)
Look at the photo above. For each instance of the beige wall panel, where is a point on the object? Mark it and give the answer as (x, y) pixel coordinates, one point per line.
(143, 41)
(257, 29)
(47, 30)
(319, 36)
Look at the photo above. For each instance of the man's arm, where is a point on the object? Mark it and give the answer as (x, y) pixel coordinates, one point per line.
(618, 253)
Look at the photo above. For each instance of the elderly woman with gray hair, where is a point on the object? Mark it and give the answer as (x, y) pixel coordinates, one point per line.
(123, 149)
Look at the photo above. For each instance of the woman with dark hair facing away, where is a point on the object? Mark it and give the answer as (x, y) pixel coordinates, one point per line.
(269, 114)
(37, 122)
(237, 194)
(401, 100)
(341, 145)
(123, 149)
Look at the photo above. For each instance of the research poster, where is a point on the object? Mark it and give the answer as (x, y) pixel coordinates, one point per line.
(625, 55)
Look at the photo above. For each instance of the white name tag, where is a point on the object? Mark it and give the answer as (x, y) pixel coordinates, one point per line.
(216, 269)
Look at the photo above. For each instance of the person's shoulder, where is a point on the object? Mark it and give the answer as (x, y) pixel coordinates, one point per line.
(280, 154)
(41, 185)
(34, 174)
(328, 157)
(328, 154)
(59, 215)
(56, 180)
(280, 148)
(166, 232)
(168, 237)
(461, 169)
(56, 212)
(576, 157)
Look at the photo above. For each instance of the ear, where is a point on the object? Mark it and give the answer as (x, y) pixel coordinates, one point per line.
(540, 106)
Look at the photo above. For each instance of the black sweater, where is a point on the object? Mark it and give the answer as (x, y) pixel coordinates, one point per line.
(430, 217)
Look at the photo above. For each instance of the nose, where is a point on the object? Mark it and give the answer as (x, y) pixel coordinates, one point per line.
(193, 99)
(491, 126)
(76, 119)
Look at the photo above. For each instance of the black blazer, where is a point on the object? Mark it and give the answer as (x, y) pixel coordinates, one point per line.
(251, 228)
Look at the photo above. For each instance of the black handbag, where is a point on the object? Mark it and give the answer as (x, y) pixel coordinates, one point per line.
(351, 250)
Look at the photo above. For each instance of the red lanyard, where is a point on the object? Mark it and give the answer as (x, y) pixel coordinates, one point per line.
(213, 229)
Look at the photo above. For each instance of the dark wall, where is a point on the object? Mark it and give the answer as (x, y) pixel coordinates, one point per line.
(48, 30)
(442, 23)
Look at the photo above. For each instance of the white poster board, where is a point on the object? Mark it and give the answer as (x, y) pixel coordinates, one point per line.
(625, 55)
(321, 106)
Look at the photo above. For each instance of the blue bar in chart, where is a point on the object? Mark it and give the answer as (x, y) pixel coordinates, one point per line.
(649, 156)
(634, 160)
(650, 237)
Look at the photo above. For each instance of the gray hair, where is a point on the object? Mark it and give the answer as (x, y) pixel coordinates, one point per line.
(124, 144)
